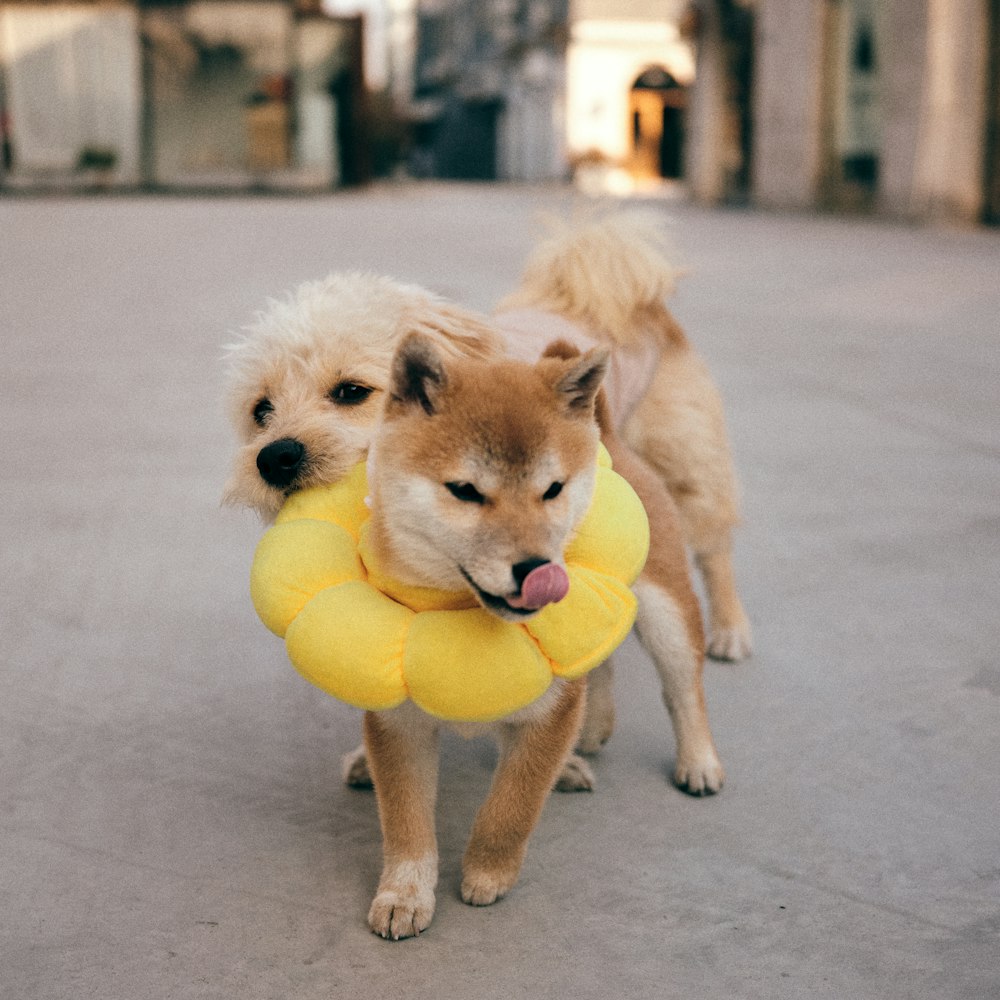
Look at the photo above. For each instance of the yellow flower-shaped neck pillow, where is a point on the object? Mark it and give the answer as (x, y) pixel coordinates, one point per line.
(373, 642)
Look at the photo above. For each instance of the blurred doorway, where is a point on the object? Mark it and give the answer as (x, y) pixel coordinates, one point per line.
(656, 114)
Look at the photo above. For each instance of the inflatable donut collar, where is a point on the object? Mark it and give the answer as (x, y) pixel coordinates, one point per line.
(373, 642)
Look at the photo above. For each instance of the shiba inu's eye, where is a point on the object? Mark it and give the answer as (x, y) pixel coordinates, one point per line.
(553, 491)
(465, 492)
(350, 393)
(262, 411)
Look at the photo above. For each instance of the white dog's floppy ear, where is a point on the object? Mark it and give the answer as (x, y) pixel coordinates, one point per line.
(581, 380)
(417, 372)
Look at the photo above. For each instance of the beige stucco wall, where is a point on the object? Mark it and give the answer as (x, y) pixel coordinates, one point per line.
(948, 168)
(902, 65)
(787, 94)
(932, 92)
(705, 152)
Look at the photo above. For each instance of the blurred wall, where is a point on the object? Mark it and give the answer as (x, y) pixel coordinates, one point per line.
(73, 88)
(860, 105)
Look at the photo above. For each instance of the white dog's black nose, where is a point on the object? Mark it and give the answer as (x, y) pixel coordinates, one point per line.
(280, 462)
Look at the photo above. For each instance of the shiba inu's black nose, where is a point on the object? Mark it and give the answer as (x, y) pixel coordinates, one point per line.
(280, 462)
(522, 569)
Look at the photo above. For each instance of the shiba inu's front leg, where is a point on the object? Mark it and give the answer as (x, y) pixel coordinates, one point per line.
(402, 756)
(531, 757)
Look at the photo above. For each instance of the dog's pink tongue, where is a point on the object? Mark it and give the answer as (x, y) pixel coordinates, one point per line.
(543, 585)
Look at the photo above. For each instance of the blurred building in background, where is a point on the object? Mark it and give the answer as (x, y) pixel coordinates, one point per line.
(887, 105)
(860, 105)
(487, 96)
(217, 93)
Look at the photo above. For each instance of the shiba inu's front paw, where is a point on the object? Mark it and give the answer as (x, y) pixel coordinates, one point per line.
(482, 886)
(593, 737)
(730, 643)
(701, 775)
(401, 913)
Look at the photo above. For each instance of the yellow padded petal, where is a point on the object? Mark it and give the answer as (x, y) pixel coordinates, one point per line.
(294, 562)
(469, 666)
(349, 641)
(613, 537)
(584, 629)
(342, 503)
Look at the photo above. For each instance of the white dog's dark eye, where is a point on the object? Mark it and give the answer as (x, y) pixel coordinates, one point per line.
(465, 492)
(350, 393)
(553, 491)
(261, 411)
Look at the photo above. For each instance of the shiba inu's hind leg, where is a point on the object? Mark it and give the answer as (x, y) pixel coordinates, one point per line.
(679, 431)
(669, 625)
(402, 756)
(729, 627)
(679, 663)
(531, 756)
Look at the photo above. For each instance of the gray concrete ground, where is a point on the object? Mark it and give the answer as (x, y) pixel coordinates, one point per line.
(173, 825)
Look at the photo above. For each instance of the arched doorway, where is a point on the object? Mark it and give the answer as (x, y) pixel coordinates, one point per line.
(656, 116)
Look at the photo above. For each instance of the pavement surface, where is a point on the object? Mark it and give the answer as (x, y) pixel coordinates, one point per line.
(172, 822)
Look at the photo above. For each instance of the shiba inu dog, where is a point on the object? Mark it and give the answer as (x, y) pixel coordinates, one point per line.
(478, 477)
(310, 380)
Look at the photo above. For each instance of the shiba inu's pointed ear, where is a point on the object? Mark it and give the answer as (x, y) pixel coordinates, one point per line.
(417, 372)
(581, 378)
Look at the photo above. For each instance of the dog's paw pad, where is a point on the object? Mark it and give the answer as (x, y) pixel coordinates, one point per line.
(354, 769)
(730, 644)
(704, 777)
(396, 915)
(576, 776)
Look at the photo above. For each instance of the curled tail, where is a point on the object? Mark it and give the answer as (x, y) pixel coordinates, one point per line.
(610, 273)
